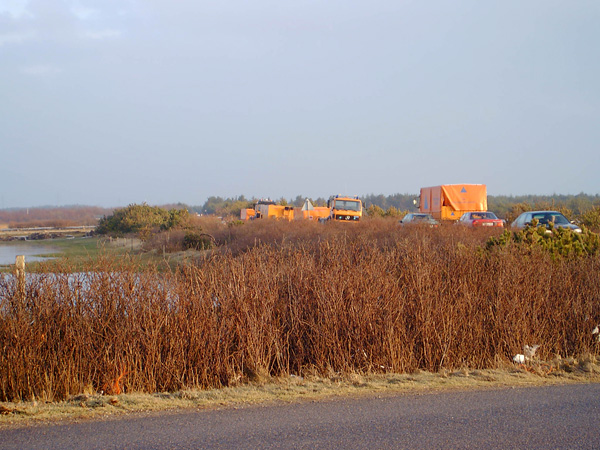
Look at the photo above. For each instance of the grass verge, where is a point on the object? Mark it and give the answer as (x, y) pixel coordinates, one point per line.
(267, 391)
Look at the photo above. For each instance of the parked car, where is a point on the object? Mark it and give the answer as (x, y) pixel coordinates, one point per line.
(544, 218)
(419, 219)
(480, 219)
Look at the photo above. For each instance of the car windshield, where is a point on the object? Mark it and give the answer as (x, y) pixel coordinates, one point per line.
(483, 215)
(545, 218)
(350, 205)
(422, 217)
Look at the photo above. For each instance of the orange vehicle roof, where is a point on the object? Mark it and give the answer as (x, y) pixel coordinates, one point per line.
(466, 197)
(460, 197)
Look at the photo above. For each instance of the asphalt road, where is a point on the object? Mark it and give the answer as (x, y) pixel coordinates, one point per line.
(556, 417)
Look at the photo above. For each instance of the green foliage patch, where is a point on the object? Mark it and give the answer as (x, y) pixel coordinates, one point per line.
(392, 211)
(559, 242)
(591, 219)
(197, 241)
(142, 219)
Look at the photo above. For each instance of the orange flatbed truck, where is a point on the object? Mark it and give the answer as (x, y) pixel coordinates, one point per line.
(311, 212)
(450, 201)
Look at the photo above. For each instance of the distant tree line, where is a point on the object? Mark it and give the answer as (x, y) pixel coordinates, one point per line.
(504, 206)
(508, 207)
(583, 207)
(400, 202)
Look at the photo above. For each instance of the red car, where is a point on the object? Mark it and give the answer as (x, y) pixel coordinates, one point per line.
(480, 219)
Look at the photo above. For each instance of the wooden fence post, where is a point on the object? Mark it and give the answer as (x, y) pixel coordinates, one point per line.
(20, 273)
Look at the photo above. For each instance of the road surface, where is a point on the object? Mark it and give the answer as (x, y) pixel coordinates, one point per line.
(555, 417)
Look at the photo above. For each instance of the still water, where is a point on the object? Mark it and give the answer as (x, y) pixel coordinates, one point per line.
(10, 250)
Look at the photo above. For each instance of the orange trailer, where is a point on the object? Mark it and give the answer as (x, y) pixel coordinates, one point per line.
(450, 201)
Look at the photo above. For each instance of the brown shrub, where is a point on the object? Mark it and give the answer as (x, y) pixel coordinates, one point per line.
(365, 297)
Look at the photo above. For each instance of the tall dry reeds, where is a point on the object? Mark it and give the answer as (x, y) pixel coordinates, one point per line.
(364, 298)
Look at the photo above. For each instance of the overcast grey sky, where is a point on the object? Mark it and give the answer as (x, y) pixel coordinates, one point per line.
(111, 102)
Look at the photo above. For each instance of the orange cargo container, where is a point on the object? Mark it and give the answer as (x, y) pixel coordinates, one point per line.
(313, 212)
(316, 213)
(450, 201)
(267, 209)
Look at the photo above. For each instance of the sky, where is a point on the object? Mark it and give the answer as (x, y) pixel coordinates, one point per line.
(113, 102)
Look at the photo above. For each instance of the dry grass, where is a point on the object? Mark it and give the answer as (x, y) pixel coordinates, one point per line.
(291, 389)
(292, 299)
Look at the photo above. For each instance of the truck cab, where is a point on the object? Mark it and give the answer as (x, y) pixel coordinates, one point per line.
(344, 209)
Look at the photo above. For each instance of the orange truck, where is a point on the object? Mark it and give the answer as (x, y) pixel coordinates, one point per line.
(450, 201)
(343, 209)
(268, 209)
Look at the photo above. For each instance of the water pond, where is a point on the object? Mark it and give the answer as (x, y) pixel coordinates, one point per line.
(32, 252)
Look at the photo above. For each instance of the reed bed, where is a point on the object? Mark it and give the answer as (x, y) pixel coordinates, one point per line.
(364, 299)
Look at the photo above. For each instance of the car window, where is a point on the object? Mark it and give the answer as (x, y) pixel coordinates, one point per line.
(559, 219)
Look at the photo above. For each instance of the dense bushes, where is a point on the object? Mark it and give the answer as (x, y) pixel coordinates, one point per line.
(366, 298)
(197, 241)
(558, 242)
(376, 211)
(142, 219)
(591, 219)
